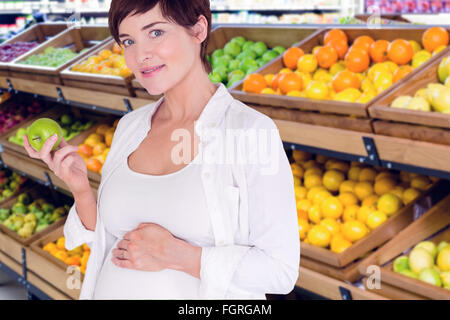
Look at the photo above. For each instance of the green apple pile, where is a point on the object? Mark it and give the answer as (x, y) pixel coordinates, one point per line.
(27, 217)
(435, 97)
(70, 126)
(427, 262)
(10, 183)
(239, 58)
(52, 57)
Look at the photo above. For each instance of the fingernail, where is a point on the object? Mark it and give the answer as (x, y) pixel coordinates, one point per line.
(54, 137)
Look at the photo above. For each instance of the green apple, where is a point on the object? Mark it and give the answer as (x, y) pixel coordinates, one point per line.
(66, 120)
(249, 53)
(42, 129)
(239, 40)
(217, 53)
(260, 48)
(232, 49)
(252, 70)
(234, 79)
(401, 264)
(442, 245)
(236, 73)
(444, 69)
(215, 78)
(233, 65)
(221, 71)
(430, 276)
(247, 63)
(409, 273)
(247, 45)
(279, 49)
(270, 55)
(420, 259)
(429, 246)
(445, 278)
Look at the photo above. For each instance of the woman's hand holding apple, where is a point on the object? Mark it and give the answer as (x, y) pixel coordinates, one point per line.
(65, 162)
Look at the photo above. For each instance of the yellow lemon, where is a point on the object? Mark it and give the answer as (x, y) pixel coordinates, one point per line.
(304, 205)
(338, 165)
(363, 190)
(339, 244)
(303, 228)
(300, 192)
(389, 203)
(297, 170)
(354, 230)
(421, 183)
(321, 159)
(367, 174)
(443, 259)
(314, 214)
(332, 208)
(317, 90)
(363, 213)
(422, 93)
(404, 176)
(383, 81)
(348, 95)
(416, 46)
(299, 155)
(398, 191)
(313, 181)
(332, 180)
(313, 171)
(294, 93)
(307, 63)
(353, 173)
(409, 195)
(319, 236)
(332, 225)
(384, 174)
(384, 185)
(367, 84)
(350, 213)
(348, 198)
(336, 68)
(392, 66)
(375, 219)
(376, 69)
(370, 200)
(285, 70)
(312, 192)
(268, 91)
(321, 196)
(366, 97)
(297, 181)
(439, 49)
(309, 164)
(347, 186)
(269, 77)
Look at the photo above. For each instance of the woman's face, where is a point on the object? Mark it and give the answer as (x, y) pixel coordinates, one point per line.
(159, 52)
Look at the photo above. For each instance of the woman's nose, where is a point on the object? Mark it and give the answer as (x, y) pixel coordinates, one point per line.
(144, 53)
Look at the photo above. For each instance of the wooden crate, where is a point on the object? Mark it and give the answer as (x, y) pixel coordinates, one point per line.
(10, 247)
(330, 106)
(421, 119)
(37, 192)
(40, 33)
(433, 226)
(97, 82)
(75, 38)
(374, 239)
(48, 267)
(348, 273)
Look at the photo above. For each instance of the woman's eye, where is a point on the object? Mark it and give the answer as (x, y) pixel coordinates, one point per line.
(127, 42)
(156, 33)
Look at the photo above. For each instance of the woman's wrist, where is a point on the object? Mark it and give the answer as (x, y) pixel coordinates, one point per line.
(185, 257)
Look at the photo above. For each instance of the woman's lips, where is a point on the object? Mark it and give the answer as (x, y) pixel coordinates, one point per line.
(150, 72)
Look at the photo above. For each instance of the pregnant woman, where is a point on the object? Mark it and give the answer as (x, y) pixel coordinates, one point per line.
(197, 197)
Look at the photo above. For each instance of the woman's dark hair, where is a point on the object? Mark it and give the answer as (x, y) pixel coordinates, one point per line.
(184, 13)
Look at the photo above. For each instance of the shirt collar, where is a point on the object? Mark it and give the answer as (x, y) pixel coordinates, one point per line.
(211, 114)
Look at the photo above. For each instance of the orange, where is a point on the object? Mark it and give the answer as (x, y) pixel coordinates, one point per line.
(116, 49)
(347, 186)
(61, 243)
(61, 255)
(340, 45)
(300, 192)
(420, 183)
(312, 181)
(303, 228)
(350, 213)
(353, 173)
(384, 185)
(254, 83)
(354, 230)
(49, 247)
(409, 195)
(303, 207)
(73, 261)
(291, 56)
(99, 148)
(332, 208)
(339, 244)
(348, 199)
(319, 236)
(307, 63)
(345, 79)
(367, 174)
(314, 214)
(334, 34)
(297, 170)
(109, 138)
(434, 37)
(401, 72)
(363, 190)
(400, 51)
(309, 164)
(332, 225)
(276, 80)
(363, 42)
(300, 155)
(94, 165)
(357, 60)
(101, 129)
(85, 150)
(332, 180)
(104, 54)
(86, 247)
(290, 82)
(370, 200)
(379, 50)
(326, 57)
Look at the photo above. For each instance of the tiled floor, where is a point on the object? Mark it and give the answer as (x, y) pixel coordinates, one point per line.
(10, 289)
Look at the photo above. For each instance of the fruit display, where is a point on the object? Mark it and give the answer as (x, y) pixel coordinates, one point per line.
(52, 57)
(339, 203)
(10, 51)
(28, 216)
(10, 184)
(407, 6)
(41, 129)
(428, 262)
(12, 114)
(340, 71)
(238, 58)
(107, 62)
(435, 97)
(76, 257)
(95, 147)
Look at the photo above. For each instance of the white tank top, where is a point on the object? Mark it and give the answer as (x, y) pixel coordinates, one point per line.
(175, 201)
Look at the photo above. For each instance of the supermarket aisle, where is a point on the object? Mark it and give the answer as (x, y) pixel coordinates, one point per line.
(11, 290)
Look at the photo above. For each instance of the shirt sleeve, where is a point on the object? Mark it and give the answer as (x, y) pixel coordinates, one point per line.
(270, 261)
(75, 232)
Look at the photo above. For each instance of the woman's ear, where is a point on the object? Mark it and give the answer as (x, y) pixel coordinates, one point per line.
(200, 29)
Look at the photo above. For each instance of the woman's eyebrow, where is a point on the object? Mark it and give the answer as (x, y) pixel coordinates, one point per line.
(143, 29)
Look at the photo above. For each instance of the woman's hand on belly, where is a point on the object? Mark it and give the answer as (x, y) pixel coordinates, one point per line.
(151, 247)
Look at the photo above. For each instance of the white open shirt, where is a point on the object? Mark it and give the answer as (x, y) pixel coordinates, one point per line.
(253, 215)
